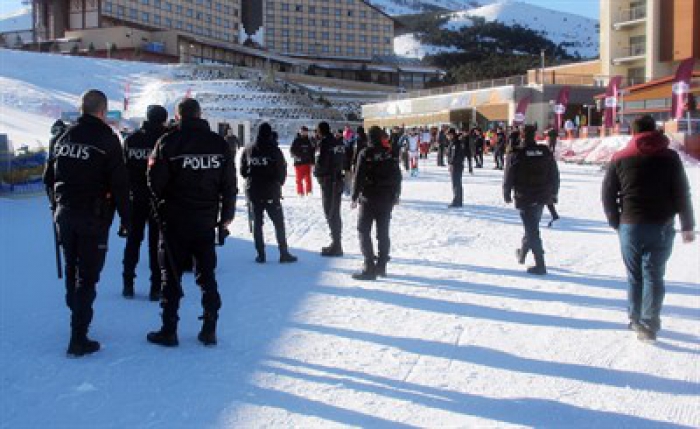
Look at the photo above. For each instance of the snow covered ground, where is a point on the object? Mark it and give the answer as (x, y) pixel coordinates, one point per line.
(458, 336)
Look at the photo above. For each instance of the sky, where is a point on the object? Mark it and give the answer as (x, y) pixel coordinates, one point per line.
(589, 8)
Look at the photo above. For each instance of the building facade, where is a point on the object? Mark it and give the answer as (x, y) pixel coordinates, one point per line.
(643, 40)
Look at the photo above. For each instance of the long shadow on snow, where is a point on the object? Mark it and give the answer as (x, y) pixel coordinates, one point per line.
(520, 411)
(557, 275)
(501, 360)
(504, 215)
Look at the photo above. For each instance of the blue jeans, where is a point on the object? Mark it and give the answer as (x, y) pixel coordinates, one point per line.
(645, 251)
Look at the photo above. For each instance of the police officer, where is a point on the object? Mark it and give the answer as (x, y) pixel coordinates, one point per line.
(499, 151)
(137, 150)
(532, 173)
(377, 189)
(86, 178)
(455, 158)
(263, 164)
(192, 174)
(478, 145)
(329, 172)
(442, 145)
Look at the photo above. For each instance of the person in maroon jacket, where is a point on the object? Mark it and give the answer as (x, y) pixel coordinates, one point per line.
(644, 189)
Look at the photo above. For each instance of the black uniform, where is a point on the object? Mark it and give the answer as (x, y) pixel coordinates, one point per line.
(137, 150)
(264, 167)
(533, 175)
(467, 144)
(499, 151)
(302, 151)
(455, 157)
(377, 189)
(329, 172)
(87, 179)
(442, 147)
(478, 145)
(192, 174)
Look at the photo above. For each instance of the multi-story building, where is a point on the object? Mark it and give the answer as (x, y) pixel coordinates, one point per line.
(643, 40)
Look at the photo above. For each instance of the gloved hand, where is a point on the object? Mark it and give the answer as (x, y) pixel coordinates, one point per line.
(123, 231)
(507, 199)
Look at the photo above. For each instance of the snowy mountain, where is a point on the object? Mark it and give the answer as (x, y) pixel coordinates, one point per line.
(578, 35)
(19, 20)
(409, 7)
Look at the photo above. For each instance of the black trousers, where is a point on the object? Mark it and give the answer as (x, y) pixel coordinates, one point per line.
(83, 237)
(499, 158)
(184, 244)
(274, 211)
(441, 156)
(553, 210)
(457, 190)
(331, 195)
(531, 216)
(479, 157)
(372, 212)
(140, 218)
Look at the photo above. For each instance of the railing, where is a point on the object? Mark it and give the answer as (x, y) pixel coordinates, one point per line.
(632, 14)
(484, 84)
(634, 50)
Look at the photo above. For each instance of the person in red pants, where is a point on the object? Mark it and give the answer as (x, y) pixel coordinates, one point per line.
(302, 151)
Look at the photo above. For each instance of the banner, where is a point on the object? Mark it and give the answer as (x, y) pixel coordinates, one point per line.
(521, 111)
(561, 105)
(610, 104)
(681, 87)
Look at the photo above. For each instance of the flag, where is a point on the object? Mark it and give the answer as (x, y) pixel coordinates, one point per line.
(562, 103)
(611, 101)
(521, 111)
(681, 87)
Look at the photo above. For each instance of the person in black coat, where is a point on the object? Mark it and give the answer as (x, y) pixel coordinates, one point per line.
(86, 180)
(455, 158)
(328, 169)
(499, 150)
(469, 149)
(532, 175)
(264, 167)
(302, 151)
(192, 176)
(478, 144)
(377, 189)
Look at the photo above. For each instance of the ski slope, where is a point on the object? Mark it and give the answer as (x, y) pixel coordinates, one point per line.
(457, 336)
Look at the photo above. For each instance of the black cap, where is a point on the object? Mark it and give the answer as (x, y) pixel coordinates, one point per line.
(156, 114)
(304, 128)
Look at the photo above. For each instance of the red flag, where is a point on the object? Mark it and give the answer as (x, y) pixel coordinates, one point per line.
(521, 111)
(610, 104)
(681, 87)
(562, 103)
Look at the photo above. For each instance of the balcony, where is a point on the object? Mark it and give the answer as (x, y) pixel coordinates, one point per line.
(629, 54)
(628, 18)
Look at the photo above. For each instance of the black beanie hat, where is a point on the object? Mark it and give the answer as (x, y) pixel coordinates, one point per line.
(156, 114)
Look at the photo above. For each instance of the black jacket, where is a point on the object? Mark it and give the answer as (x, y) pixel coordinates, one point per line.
(456, 152)
(192, 172)
(378, 177)
(330, 159)
(532, 172)
(646, 183)
(360, 145)
(86, 170)
(137, 150)
(302, 151)
(264, 167)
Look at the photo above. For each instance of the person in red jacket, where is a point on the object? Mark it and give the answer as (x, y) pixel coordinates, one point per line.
(644, 188)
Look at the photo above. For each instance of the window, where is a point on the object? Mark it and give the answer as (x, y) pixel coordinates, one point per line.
(284, 6)
(108, 6)
(156, 19)
(121, 11)
(133, 13)
(338, 37)
(350, 37)
(299, 21)
(298, 34)
(312, 34)
(145, 2)
(325, 35)
(145, 17)
(156, 4)
(298, 8)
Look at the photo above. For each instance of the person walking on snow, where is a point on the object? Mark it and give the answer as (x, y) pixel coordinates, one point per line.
(645, 187)
(302, 151)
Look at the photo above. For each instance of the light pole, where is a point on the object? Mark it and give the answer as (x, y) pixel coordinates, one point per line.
(542, 67)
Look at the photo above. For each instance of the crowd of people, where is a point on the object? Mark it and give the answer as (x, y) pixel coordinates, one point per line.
(180, 181)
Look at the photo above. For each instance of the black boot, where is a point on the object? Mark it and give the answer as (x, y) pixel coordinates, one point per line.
(128, 290)
(207, 335)
(381, 266)
(261, 258)
(286, 257)
(539, 269)
(334, 250)
(81, 345)
(368, 273)
(167, 336)
(521, 254)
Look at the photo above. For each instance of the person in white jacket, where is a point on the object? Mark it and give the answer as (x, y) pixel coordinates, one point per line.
(414, 151)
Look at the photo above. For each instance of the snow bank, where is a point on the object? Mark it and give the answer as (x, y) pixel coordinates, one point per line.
(600, 150)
